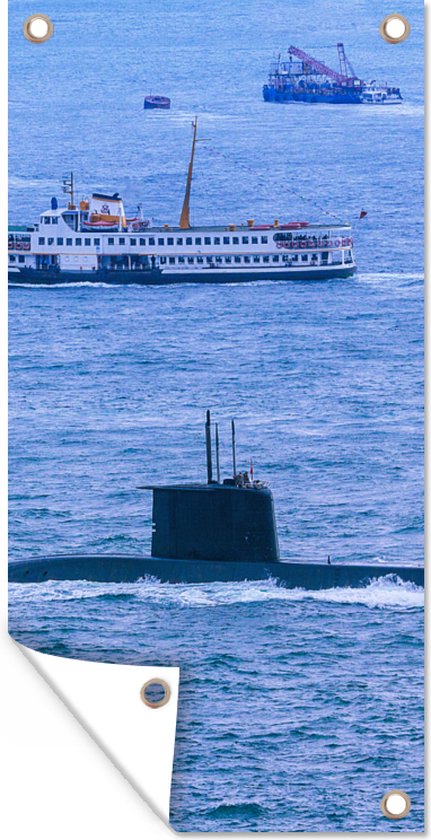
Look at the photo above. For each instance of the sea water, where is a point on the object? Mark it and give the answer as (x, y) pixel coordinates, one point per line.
(297, 710)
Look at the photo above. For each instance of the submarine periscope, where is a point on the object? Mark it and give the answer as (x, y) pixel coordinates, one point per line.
(221, 530)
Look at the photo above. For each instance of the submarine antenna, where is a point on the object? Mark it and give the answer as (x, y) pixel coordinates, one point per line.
(209, 453)
(233, 448)
(217, 443)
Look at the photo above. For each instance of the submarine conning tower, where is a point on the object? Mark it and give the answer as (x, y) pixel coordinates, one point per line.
(232, 521)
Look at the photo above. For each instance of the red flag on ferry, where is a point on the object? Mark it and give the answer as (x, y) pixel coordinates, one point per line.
(363, 213)
(251, 469)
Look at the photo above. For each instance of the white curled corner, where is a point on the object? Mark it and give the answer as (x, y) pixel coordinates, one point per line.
(106, 700)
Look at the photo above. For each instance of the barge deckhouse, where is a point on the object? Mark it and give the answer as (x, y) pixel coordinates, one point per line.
(96, 242)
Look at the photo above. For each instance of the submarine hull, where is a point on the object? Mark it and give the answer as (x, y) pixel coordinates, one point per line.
(127, 569)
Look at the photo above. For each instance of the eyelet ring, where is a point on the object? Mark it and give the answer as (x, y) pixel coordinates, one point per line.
(38, 28)
(156, 684)
(395, 804)
(403, 25)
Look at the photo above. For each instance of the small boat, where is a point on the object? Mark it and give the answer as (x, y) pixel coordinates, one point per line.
(157, 102)
(375, 94)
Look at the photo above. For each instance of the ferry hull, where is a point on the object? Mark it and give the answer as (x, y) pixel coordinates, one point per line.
(125, 569)
(40, 277)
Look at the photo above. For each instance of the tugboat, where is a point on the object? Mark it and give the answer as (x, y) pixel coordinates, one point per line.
(307, 79)
(375, 94)
(98, 243)
(217, 531)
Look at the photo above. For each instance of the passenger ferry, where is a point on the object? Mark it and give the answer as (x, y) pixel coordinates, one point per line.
(96, 242)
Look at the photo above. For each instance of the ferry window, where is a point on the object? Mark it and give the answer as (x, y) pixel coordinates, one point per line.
(68, 241)
(54, 220)
(121, 240)
(172, 260)
(87, 241)
(110, 240)
(179, 241)
(198, 240)
(282, 237)
(219, 260)
(162, 260)
(264, 240)
(286, 258)
(347, 256)
(78, 241)
(266, 259)
(97, 241)
(41, 240)
(189, 241)
(228, 260)
(304, 257)
(133, 241)
(170, 240)
(142, 241)
(254, 240)
(245, 240)
(256, 259)
(50, 240)
(21, 259)
(59, 240)
(226, 240)
(200, 259)
(181, 259)
(295, 258)
(209, 259)
(190, 260)
(12, 258)
(216, 240)
(246, 259)
(207, 240)
(161, 241)
(276, 258)
(47, 220)
(235, 240)
(237, 259)
(336, 257)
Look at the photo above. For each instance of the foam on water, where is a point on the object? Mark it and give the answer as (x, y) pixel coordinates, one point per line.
(384, 592)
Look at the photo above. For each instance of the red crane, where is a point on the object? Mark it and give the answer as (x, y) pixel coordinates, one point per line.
(340, 78)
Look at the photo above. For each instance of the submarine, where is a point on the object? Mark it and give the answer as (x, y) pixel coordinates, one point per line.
(206, 532)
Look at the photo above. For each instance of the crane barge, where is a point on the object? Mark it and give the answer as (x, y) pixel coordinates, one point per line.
(303, 78)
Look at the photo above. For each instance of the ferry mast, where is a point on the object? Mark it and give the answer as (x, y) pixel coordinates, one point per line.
(185, 212)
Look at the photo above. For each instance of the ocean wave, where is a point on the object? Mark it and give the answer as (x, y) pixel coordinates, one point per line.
(386, 592)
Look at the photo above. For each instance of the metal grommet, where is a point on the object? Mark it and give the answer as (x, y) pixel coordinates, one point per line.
(38, 28)
(395, 804)
(155, 693)
(395, 28)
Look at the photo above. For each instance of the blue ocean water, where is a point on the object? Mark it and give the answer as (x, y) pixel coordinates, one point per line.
(297, 710)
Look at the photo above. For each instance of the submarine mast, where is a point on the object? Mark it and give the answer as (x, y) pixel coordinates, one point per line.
(233, 448)
(208, 447)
